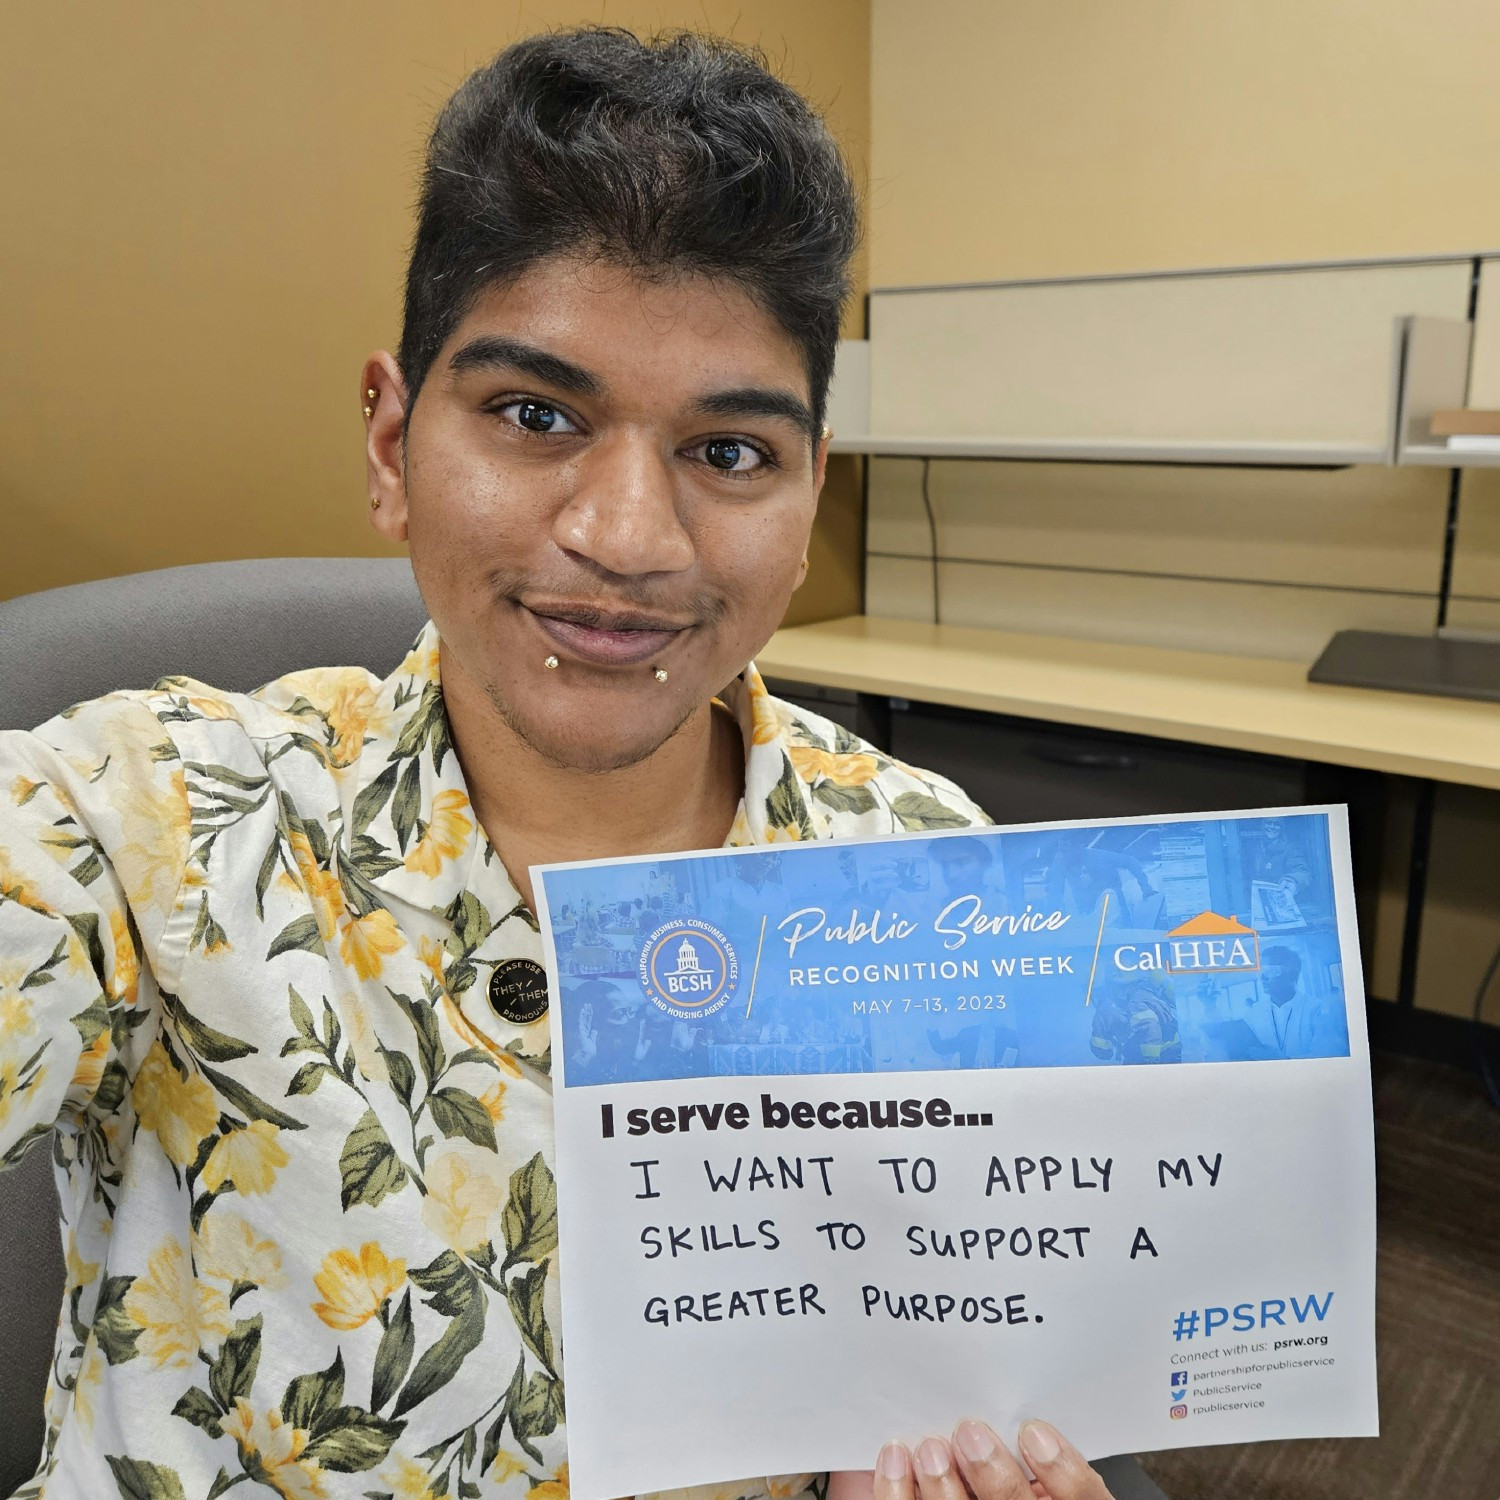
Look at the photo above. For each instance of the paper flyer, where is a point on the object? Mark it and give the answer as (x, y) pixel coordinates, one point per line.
(856, 1139)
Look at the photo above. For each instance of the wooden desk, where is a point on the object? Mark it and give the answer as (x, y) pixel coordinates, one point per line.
(1238, 702)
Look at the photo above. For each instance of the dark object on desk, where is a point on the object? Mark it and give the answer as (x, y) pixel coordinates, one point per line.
(1444, 666)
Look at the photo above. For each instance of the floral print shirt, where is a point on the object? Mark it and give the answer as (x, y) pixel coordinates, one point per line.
(305, 1169)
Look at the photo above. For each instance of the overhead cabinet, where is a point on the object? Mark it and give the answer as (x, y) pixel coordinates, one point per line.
(1286, 365)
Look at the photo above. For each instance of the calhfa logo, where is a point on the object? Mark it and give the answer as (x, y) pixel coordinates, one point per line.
(1211, 944)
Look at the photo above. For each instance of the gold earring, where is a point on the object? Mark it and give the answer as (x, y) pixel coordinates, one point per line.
(827, 431)
(550, 663)
(369, 412)
(374, 502)
(371, 393)
(660, 673)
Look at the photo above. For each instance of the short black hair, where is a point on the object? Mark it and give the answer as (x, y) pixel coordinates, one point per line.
(1282, 958)
(679, 154)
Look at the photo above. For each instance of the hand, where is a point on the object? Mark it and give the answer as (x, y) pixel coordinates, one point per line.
(588, 1036)
(976, 1465)
(642, 1043)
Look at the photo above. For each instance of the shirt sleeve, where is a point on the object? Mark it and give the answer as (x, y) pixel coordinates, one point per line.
(94, 836)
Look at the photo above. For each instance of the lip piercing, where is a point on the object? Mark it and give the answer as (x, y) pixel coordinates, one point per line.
(550, 663)
(660, 673)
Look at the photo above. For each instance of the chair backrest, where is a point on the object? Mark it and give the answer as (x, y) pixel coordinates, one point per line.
(234, 625)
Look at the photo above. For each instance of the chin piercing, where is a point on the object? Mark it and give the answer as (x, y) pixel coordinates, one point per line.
(550, 663)
(659, 673)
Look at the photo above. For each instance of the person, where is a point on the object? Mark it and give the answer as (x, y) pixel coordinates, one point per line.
(247, 941)
(1275, 859)
(1088, 873)
(1136, 1022)
(1283, 1019)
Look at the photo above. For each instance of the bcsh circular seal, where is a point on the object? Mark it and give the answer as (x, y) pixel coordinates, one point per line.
(688, 969)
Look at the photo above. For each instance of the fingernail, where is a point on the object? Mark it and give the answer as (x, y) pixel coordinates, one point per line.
(932, 1458)
(892, 1461)
(1039, 1443)
(975, 1441)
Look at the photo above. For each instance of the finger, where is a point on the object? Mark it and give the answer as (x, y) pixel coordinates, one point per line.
(937, 1475)
(1058, 1465)
(986, 1464)
(893, 1479)
(851, 1484)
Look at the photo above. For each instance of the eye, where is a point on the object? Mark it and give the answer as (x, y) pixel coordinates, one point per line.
(734, 456)
(535, 416)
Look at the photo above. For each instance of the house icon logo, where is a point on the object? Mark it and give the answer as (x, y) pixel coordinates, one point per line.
(688, 969)
(1211, 944)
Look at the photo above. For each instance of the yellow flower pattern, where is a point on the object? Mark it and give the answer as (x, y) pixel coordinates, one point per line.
(355, 1285)
(446, 836)
(272, 1449)
(180, 1110)
(248, 1158)
(179, 1314)
(245, 946)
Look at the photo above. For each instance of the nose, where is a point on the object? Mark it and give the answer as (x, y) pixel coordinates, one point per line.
(622, 511)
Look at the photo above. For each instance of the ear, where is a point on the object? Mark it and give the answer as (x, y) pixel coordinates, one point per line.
(801, 573)
(385, 463)
(820, 458)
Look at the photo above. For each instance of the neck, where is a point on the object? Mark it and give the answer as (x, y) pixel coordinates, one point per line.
(682, 796)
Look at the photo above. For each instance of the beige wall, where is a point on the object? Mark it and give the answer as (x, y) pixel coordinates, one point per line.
(207, 212)
(1051, 137)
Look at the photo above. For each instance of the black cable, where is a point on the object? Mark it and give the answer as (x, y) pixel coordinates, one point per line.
(937, 617)
(1492, 1087)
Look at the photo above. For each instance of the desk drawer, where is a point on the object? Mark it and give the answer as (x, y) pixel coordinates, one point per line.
(1026, 771)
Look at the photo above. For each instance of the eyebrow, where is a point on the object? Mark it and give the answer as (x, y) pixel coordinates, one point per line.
(490, 351)
(495, 352)
(756, 401)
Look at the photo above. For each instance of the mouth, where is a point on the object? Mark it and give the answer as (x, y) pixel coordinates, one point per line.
(604, 637)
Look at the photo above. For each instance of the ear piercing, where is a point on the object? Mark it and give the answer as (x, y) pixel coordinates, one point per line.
(370, 394)
(374, 502)
(550, 663)
(659, 673)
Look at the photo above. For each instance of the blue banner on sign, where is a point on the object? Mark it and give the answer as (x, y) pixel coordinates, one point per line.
(1128, 943)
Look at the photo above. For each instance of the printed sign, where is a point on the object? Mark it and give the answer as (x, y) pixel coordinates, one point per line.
(1061, 1121)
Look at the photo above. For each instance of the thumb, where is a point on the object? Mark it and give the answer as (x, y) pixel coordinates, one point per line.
(1060, 1468)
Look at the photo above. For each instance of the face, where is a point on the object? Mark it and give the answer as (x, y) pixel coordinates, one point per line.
(1279, 979)
(610, 472)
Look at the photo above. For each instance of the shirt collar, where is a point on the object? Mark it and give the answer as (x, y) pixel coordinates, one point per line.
(411, 832)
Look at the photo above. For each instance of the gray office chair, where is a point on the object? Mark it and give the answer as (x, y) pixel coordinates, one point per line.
(234, 625)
